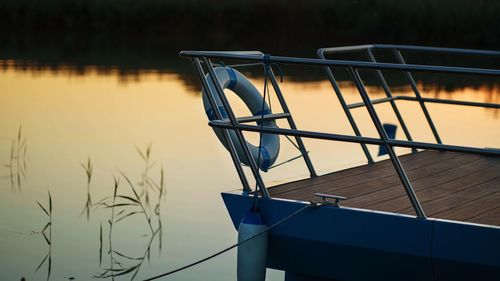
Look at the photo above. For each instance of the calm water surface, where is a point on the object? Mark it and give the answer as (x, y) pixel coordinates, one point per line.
(65, 118)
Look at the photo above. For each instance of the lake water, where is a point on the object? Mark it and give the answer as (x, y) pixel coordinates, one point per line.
(66, 117)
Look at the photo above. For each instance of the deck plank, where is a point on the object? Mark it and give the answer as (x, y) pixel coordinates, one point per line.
(475, 207)
(359, 180)
(449, 185)
(378, 169)
(441, 184)
(491, 217)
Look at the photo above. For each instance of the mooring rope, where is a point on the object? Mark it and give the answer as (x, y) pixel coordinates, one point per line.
(287, 161)
(266, 74)
(234, 245)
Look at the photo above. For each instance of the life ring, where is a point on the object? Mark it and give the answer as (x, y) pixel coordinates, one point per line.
(235, 81)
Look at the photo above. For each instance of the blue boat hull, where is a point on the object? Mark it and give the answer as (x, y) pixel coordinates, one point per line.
(352, 244)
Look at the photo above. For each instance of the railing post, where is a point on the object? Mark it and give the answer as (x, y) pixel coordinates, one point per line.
(394, 158)
(347, 112)
(225, 133)
(292, 124)
(234, 123)
(413, 85)
(388, 93)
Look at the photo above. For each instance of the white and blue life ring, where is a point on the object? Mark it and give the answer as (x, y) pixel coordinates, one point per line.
(235, 81)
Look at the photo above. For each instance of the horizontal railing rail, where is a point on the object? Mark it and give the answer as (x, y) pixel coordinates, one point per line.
(343, 63)
(260, 118)
(458, 51)
(355, 139)
(430, 100)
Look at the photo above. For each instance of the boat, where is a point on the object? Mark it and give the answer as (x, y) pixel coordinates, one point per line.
(431, 214)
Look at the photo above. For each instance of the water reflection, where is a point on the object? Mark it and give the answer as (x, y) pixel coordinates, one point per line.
(46, 233)
(18, 161)
(72, 117)
(124, 75)
(88, 168)
(173, 67)
(143, 199)
(489, 93)
(121, 265)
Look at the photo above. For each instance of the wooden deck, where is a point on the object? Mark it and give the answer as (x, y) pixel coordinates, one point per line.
(457, 186)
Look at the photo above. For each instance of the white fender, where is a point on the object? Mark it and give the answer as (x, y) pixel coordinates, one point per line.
(235, 81)
(252, 255)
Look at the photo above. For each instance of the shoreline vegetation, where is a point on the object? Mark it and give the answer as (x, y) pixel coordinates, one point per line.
(131, 36)
(273, 25)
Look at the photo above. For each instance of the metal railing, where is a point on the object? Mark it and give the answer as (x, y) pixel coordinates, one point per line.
(205, 70)
(367, 50)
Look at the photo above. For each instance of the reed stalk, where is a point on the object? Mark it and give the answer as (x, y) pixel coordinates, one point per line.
(137, 203)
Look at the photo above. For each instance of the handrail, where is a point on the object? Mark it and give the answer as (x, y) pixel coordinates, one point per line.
(396, 50)
(265, 117)
(453, 102)
(344, 63)
(356, 139)
(225, 133)
(460, 51)
(431, 100)
(235, 124)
